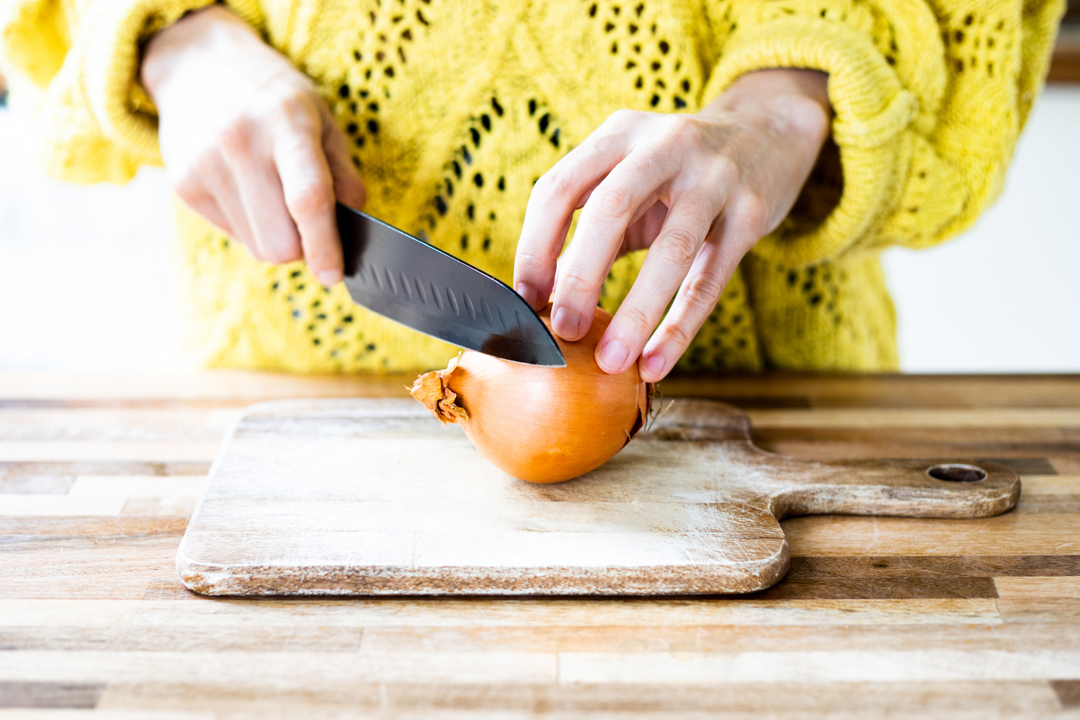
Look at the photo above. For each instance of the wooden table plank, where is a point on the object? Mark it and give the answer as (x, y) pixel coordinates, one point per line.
(228, 388)
(911, 618)
(733, 701)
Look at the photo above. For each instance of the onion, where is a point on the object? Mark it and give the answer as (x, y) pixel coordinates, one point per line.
(540, 424)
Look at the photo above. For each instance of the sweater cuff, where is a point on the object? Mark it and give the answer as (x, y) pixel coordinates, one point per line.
(114, 40)
(871, 110)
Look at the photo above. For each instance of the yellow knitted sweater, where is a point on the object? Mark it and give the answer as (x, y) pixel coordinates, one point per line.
(456, 107)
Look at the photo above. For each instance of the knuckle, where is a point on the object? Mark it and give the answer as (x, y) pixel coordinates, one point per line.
(726, 171)
(283, 252)
(753, 213)
(676, 334)
(606, 140)
(279, 102)
(321, 252)
(575, 283)
(528, 260)
(636, 319)
(621, 119)
(703, 291)
(615, 201)
(683, 130)
(310, 201)
(679, 246)
(189, 189)
(279, 244)
(557, 183)
(237, 138)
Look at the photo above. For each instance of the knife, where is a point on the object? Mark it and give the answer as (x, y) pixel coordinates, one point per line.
(413, 283)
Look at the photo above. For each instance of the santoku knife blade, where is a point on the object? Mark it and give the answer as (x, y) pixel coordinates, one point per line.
(411, 282)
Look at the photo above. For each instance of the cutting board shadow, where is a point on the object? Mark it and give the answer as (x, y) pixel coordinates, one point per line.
(376, 497)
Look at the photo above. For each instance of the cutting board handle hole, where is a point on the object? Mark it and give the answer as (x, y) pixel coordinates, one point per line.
(957, 472)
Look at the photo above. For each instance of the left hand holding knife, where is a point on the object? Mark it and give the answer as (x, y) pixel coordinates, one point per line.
(247, 141)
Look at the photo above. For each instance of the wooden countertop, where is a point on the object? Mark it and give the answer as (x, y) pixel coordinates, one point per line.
(925, 618)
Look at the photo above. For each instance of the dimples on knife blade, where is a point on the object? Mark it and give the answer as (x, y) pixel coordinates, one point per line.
(406, 280)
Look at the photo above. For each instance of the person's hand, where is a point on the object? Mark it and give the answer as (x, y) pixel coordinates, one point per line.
(697, 190)
(247, 141)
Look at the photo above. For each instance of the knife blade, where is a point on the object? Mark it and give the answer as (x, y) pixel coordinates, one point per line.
(417, 285)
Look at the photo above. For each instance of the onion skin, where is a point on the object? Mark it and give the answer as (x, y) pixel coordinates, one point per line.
(541, 424)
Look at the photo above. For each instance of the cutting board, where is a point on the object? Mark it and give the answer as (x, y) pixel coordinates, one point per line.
(376, 497)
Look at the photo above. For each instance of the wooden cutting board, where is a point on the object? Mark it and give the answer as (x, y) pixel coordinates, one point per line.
(376, 497)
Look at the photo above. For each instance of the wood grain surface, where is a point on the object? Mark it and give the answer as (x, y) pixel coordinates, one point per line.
(909, 618)
(376, 497)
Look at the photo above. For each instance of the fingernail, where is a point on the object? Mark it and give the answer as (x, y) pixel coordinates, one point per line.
(654, 365)
(330, 277)
(565, 323)
(527, 292)
(613, 355)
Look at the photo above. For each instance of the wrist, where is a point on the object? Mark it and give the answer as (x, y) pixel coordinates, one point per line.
(194, 38)
(793, 101)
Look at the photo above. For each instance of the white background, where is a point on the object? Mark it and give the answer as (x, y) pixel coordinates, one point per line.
(85, 271)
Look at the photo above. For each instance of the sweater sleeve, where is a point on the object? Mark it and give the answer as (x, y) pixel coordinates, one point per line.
(94, 122)
(928, 98)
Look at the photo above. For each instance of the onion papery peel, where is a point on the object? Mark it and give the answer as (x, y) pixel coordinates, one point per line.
(432, 392)
(538, 423)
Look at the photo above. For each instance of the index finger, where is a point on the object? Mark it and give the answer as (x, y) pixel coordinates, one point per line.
(308, 186)
(555, 197)
(612, 207)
